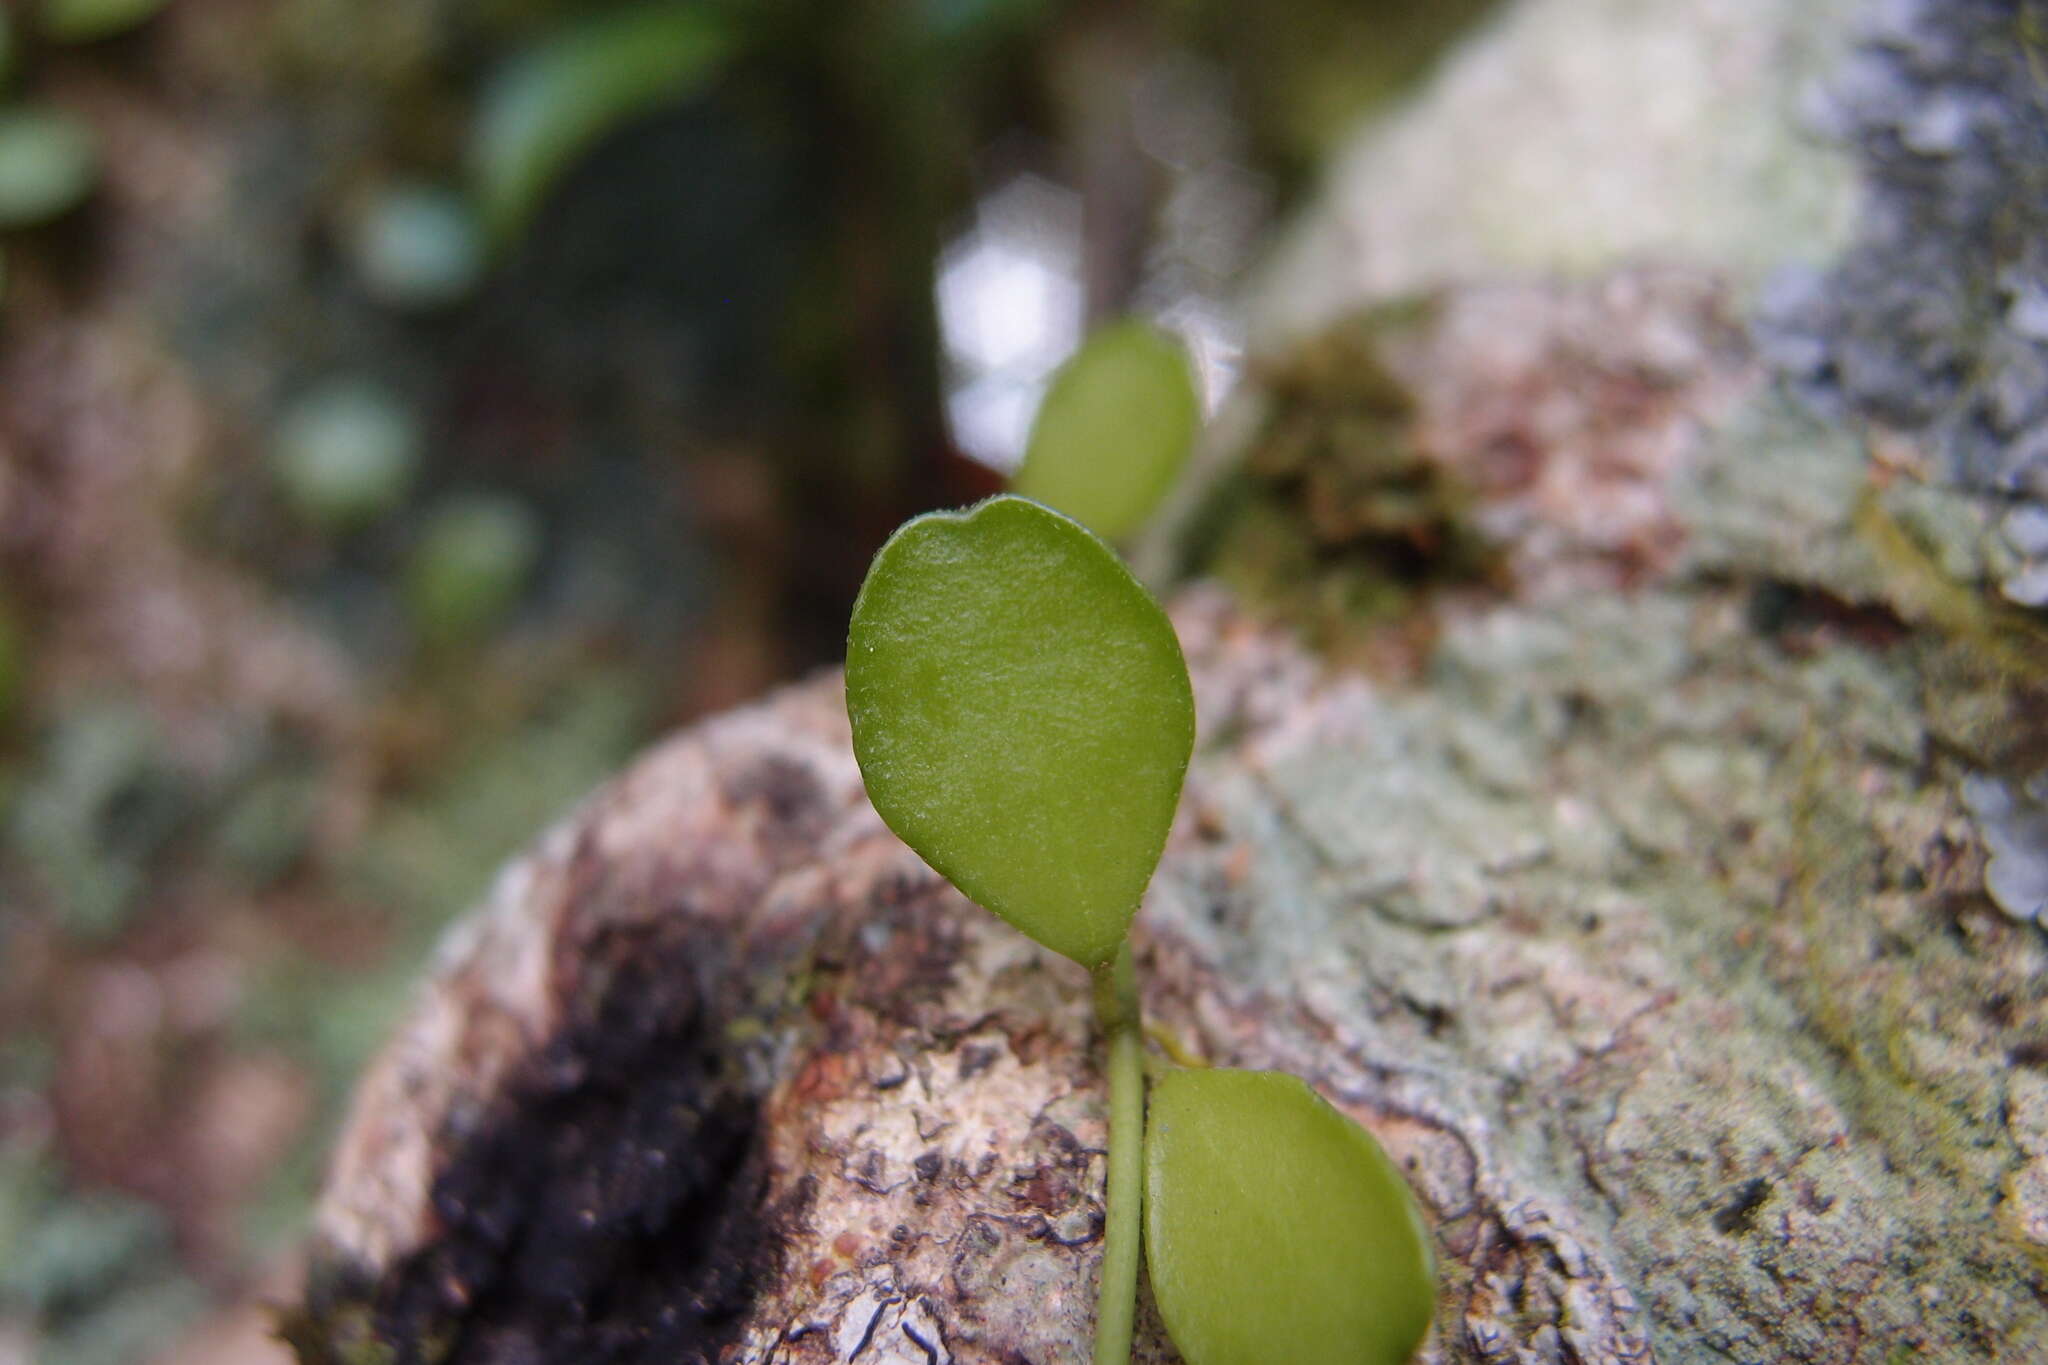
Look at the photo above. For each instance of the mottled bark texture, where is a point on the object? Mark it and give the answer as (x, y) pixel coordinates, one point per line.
(1646, 929)
(1614, 869)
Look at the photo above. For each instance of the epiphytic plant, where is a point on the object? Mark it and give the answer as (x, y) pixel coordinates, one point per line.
(1023, 719)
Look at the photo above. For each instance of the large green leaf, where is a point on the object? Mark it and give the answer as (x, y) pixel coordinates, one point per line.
(1022, 716)
(1277, 1229)
(559, 99)
(1116, 425)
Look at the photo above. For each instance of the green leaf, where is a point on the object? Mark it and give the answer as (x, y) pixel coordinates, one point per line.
(1116, 426)
(49, 161)
(1277, 1229)
(345, 453)
(559, 99)
(85, 21)
(1022, 717)
(418, 247)
(470, 566)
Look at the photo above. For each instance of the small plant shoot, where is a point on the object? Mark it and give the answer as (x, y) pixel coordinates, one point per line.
(1115, 427)
(1022, 717)
(1277, 1229)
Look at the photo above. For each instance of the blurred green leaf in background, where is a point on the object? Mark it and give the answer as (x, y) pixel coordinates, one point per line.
(86, 21)
(345, 453)
(49, 161)
(555, 100)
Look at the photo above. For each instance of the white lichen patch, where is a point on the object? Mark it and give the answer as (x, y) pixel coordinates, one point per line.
(1578, 134)
(2012, 819)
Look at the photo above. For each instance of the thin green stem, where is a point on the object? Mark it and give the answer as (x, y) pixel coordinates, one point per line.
(1177, 1051)
(1116, 1305)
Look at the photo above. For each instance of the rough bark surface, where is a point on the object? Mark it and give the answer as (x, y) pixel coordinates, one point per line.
(1627, 891)
(1649, 935)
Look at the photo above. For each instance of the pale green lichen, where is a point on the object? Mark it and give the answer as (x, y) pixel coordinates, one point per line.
(1572, 136)
(2012, 819)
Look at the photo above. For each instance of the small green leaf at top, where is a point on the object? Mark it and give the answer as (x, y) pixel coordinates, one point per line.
(1022, 717)
(1116, 425)
(1277, 1229)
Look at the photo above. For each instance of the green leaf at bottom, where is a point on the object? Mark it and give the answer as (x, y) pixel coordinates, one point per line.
(1276, 1229)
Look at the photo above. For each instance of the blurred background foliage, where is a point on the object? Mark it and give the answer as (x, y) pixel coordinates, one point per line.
(409, 410)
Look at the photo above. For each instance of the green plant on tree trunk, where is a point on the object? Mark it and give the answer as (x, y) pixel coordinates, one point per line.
(1023, 719)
